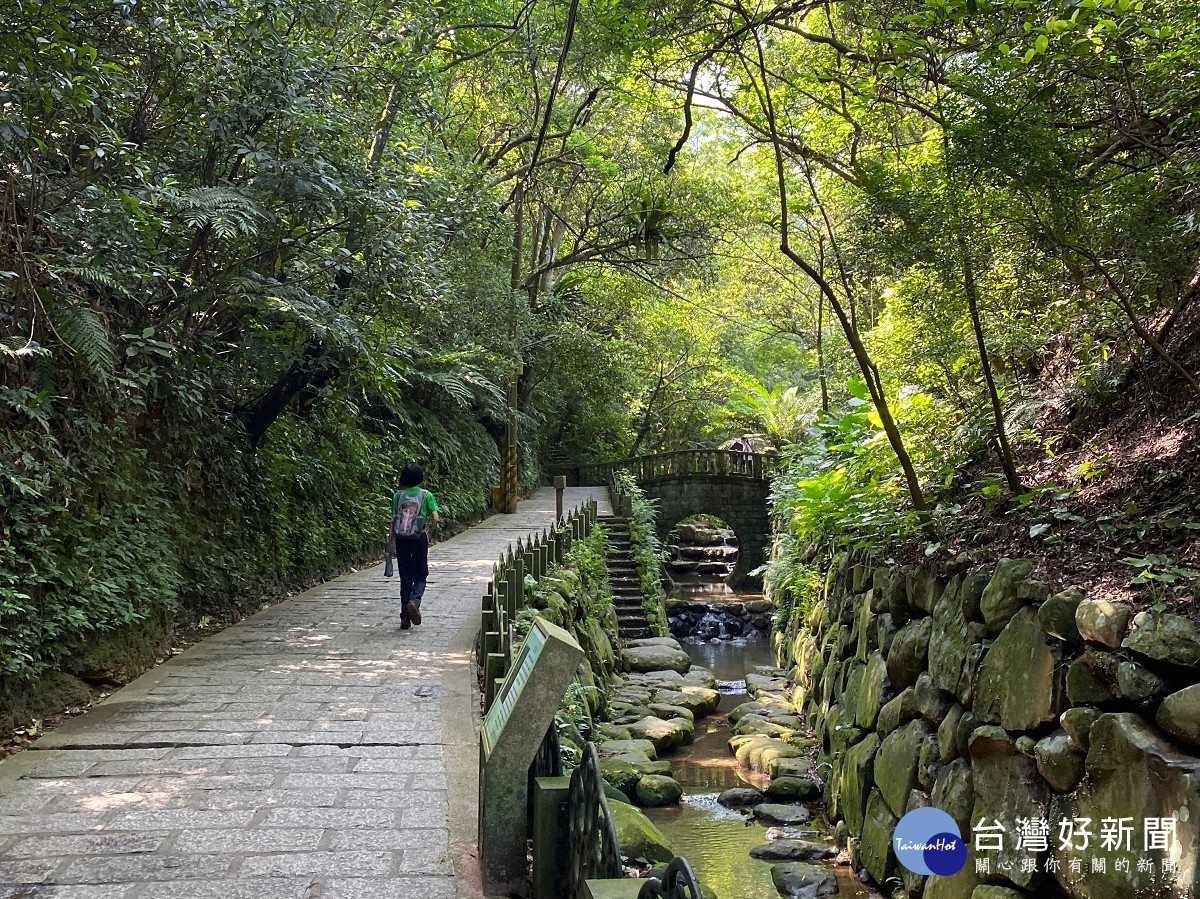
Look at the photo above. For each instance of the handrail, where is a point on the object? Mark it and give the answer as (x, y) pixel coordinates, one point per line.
(595, 853)
(678, 881)
(685, 463)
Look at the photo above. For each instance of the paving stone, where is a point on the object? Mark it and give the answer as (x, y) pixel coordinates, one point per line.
(57, 822)
(172, 784)
(291, 765)
(280, 888)
(127, 868)
(391, 888)
(424, 816)
(72, 891)
(254, 841)
(57, 846)
(336, 864)
(341, 818)
(28, 870)
(432, 838)
(156, 819)
(425, 861)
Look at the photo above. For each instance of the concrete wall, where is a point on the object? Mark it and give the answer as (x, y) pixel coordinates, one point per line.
(738, 501)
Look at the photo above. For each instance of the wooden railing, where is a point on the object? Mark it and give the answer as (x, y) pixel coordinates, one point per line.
(505, 595)
(683, 463)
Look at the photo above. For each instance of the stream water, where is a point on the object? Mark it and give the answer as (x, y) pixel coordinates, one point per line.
(716, 840)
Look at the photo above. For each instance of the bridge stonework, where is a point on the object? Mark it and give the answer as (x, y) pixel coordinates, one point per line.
(740, 502)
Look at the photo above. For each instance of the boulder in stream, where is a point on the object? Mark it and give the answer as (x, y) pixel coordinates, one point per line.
(665, 735)
(800, 880)
(793, 851)
(736, 797)
(656, 790)
(620, 747)
(758, 752)
(779, 813)
(796, 789)
(637, 835)
(656, 657)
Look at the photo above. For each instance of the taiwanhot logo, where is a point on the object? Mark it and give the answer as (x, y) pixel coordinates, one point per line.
(927, 841)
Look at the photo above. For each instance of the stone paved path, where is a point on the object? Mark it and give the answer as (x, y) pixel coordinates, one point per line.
(313, 751)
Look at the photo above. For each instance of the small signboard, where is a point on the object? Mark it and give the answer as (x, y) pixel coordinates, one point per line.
(518, 676)
(510, 737)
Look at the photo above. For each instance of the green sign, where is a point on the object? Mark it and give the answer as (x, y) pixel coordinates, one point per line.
(501, 709)
(512, 731)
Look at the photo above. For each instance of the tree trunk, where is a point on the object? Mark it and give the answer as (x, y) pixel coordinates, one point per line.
(1003, 450)
(861, 356)
(307, 375)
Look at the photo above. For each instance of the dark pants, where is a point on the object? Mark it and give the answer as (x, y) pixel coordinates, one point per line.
(412, 564)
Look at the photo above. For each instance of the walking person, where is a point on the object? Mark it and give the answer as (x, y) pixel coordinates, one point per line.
(414, 512)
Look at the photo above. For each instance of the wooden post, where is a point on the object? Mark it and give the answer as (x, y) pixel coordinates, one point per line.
(493, 673)
(560, 484)
(519, 575)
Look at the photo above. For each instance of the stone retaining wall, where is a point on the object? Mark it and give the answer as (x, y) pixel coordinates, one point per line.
(980, 693)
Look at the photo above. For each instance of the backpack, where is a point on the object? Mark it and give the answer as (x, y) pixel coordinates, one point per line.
(409, 522)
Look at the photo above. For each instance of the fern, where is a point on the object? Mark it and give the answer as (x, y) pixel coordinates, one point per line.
(92, 275)
(228, 212)
(82, 329)
(316, 317)
(21, 346)
(450, 373)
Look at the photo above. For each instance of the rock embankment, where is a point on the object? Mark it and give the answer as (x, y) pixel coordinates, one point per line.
(980, 693)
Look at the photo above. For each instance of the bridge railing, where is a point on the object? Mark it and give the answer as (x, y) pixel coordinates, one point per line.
(684, 463)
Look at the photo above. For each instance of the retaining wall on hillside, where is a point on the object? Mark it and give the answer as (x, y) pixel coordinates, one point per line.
(1023, 715)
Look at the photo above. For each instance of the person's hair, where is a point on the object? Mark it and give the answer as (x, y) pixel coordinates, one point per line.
(411, 475)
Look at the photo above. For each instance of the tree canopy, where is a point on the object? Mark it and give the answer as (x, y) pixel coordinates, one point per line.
(256, 254)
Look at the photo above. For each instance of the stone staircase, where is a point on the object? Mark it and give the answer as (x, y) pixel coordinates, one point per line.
(623, 576)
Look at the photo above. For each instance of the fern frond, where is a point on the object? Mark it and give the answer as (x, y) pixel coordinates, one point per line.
(82, 329)
(227, 211)
(92, 275)
(315, 316)
(21, 346)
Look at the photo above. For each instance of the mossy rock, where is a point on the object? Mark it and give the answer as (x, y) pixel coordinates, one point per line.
(618, 747)
(637, 835)
(621, 775)
(797, 789)
(656, 790)
(757, 752)
(665, 735)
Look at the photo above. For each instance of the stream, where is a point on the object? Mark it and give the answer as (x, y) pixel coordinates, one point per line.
(716, 840)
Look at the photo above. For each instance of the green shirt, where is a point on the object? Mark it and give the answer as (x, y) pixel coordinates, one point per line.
(428, 506)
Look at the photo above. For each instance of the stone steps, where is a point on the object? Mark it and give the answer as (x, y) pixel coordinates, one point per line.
(624, 579)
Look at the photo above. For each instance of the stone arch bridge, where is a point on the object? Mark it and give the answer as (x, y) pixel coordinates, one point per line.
(727, 484)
